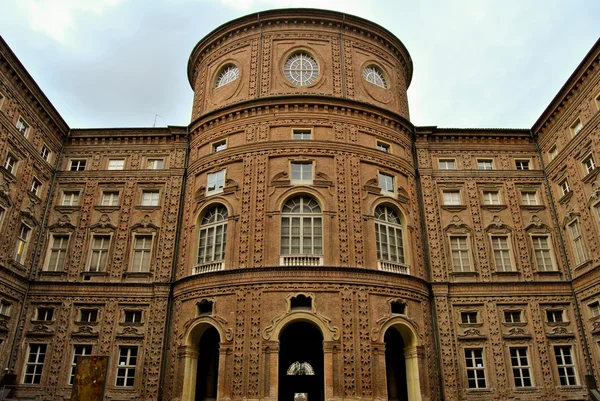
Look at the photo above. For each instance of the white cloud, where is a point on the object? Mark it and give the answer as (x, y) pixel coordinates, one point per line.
(58, 18)
(356, 7)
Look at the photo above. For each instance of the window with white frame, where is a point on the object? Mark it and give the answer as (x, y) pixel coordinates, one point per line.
(301, 227)
(386, 183)
(150, 197)
(564, 187)
(576, 127)
(116, 164)
(501, 248)
(485, 164)
(36, 186)
(89, 315)
(34, 364)
(565, 365)
(301, 69)
(142, 252)
(126, 366)
(555, 315)
(5, 308)
(22, 242)
(212, 237)
(469, 317)
(44, 313)
(522, 164)
(70, 198)
(529, 198)
(133, 316)
(491, 197)
(512, 316)
(155, 164)
(543, 252)
(451, 197)
(215, 182)
(577, 242)
(78, 164)
(219, 146)
(520, 367)
(374, 75)
(459, 250)
(227, 74)
(110, 198)
(10, 164)
(382, 146)
(552, 153)
(447, 164)
(594, 309)
(475, 368)
(388, 235)
(78, 351)
(45, 152)
(589, 164)
(58, 252)
(301, 134)
(22, 126)
(99, 252)
(301, 172)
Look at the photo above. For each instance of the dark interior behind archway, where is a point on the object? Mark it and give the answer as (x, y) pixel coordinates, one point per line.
(395, 366)
(208, 366)
(301, 342)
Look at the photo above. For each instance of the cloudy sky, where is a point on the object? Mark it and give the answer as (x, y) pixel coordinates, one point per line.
(477, 63)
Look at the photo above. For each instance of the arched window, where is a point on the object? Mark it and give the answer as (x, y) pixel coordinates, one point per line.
(388, 235)
(374, 75)
(228, 74)
(301, 69)
(301, 227)
(212, 235)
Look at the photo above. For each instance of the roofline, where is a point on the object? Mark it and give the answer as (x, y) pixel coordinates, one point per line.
(22, 72)
(592, 56)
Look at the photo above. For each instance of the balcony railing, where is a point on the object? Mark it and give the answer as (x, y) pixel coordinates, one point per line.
(393, 267)
(301, 260)
(208, 267)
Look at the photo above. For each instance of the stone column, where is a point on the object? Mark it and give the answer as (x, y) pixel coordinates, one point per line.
(379, 372)
(270, 375)
(223, 390)
(328, 372)
(411, 357)
(185, 380)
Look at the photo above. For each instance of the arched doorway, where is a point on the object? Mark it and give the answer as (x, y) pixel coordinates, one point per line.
(301, 372)
(207, 373)
(395, 366)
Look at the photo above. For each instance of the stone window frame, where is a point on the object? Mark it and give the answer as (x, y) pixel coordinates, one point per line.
(538, 229)
(77, 161)
(521, 309)
(80, 309)
(597, 101)
(37, 187)
(385, 192)
(573, 354)
(498, 229)
(147, 188)
(441, 160)
(45, 309)
(106, 189)
(116, 158)
(529, 366)
(457, 228)
(27, 242)
(466, 312)
(6, 307)
(214, 146)
(302, 130)
(148, 158)
(452, 187)
(552, 310)
(534, 188)
(552, 152)
(196, 266)
(15, 163)
(485, 160)
(521, 160)
(47, 156)
(577, 258)
(383, 146)
(56, 232)
(70, 190)
(104, 227)
(576, 127)
(144, 228)
(219, 190)
(116, 366)
(26, 357)
(484, 368)
(22, 121)
(591, 307)
(313, 164)
(132, 308)
(492, 188)
(2, 99)
(404, 230)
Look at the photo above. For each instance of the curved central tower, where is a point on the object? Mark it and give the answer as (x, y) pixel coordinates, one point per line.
(301, 228)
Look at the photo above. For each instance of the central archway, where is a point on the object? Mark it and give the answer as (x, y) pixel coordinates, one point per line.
(301, 370)
(395, 366)
(208, 366)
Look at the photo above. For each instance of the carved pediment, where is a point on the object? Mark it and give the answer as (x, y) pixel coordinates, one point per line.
(536, 225)
(62, 224)
(103, 224)
(145, 225)
(5, 193)
(457, 226)
(497, 226)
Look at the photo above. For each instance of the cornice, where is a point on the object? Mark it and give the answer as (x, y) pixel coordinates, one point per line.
(124, 133)
(436, 134)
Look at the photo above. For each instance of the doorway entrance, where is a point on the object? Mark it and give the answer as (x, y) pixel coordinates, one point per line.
(395, 366)
(301, 376)
(207, 374)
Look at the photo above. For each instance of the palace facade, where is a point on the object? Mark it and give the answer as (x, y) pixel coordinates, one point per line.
(301, 239)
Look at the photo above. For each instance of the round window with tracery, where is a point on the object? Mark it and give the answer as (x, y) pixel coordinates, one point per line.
(228, 74)
(301, 69)
(374, 75)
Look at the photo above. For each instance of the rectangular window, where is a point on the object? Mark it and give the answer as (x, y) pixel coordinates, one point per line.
(110, 198)
(512, 316)
(34, 365)
(116, 164)
(386, 183)
(133, 316)
(468, 317)
(577, 243)
(555, 315)
(89, 315)
(22, 240)
(142, 251)
(46, 314)
(4, 308)
(594, 309)
(459, 247)
(70, 198)
(155, 164)
(45, 152)
(36, 185)
(384, 147)
(501, 253)
(2, 212)
(215, 182)
(552, 153)
(484, 164)
(126, 366)
(589, 164)
(565, 365)
(219, 146)
(543, 253)
(451, 197)
(150, 198)
(522, 164)
(576, 127)
(447, 164)
(475, 368)
(564, 187)
(99, 257)
(301, 173)
(10, 164)
(520, 367)
(78, 350)
(491, 198)
(22, 126)
(58, 252)
(529, 198)
(78, 165)
(301, 134)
